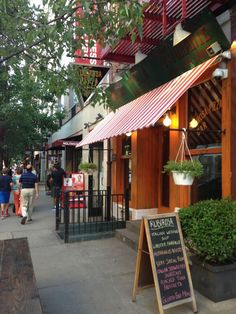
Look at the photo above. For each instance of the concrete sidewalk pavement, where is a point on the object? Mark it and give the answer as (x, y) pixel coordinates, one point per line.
(93, 277)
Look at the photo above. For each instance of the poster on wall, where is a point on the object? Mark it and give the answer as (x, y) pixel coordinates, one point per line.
(73, 181)
(77, 181)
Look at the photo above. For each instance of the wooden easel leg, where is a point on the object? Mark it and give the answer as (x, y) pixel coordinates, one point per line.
(138, 261)
(195, 310)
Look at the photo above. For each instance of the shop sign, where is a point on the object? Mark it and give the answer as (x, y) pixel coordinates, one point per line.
(166, 62)
(88, 78)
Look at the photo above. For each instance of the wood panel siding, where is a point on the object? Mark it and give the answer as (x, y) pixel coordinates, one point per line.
(226, 138)
(144, 168)
(232, 95)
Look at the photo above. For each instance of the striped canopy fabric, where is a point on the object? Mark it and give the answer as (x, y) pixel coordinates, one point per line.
(147, 109)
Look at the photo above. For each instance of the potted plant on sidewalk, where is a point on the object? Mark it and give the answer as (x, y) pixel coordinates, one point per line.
(209, 230)
(87, 167)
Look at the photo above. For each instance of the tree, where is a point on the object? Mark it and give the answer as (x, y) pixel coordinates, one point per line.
(33, 41)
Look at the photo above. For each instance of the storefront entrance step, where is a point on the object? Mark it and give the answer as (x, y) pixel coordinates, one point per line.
(134, 226)
(128, 237)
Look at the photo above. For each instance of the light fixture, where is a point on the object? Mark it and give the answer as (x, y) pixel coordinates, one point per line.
(167, 121)
(99, 117)
(220, 73)
(87, 125)
(128, 134)
(139, 56)
(193, 123)
(179, 34)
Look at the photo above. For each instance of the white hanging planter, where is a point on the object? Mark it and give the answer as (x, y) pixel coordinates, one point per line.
(182, 178)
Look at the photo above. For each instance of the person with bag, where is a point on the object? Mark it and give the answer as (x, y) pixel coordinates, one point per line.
(57, 177)
(5, 191)
(16, 191)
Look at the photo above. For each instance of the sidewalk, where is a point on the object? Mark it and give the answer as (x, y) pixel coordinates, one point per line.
(93, 277)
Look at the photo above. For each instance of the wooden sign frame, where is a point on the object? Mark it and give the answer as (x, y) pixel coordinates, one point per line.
(146, 271)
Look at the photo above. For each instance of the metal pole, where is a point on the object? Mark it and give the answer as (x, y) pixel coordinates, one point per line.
(66, 217)
(126, 204)
(57, 212)
(108, 180)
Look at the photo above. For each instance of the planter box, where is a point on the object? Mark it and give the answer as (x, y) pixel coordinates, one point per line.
(215, 282)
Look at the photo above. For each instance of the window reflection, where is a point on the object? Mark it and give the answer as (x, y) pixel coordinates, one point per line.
(208, 186)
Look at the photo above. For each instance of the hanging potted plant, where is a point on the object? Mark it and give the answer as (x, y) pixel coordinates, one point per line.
(184, 171)
(87, 167)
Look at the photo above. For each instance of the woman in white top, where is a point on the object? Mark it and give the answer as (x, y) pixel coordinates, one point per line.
(16, 191)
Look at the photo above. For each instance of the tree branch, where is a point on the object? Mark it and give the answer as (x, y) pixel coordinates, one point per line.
(14, 54)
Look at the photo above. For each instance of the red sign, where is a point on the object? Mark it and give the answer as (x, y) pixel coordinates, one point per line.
(89, 56)
(73, 181)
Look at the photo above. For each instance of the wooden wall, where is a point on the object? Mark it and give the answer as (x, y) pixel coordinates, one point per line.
(144, 158)
(144, 168)
(230, 149)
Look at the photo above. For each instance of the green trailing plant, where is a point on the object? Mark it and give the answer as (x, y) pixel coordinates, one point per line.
(209, 230)
(193, 167)
(87, 167)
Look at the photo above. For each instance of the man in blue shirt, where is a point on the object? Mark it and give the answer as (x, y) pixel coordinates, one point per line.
(29, 191)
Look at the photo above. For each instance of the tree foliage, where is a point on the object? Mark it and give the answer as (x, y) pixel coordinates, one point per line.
(33, 41)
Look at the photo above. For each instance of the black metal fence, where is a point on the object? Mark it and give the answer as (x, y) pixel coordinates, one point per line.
(80, 214)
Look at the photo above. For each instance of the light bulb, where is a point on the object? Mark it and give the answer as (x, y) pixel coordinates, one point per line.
(167, 121)
(193, 123)
(128, 134)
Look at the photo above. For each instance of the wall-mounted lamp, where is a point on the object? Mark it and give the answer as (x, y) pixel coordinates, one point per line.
(99, 117)
(128, 134)
(220, 73)
(193, 123)
(167, 120)
(179, 34)
(87, 125)
(139, 56)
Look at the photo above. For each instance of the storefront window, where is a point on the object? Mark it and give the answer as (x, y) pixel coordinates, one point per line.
(204, 106)
(126, 146)
(127, 176)
(208, 186)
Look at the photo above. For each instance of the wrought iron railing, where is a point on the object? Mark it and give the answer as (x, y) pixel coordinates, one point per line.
(80, 213)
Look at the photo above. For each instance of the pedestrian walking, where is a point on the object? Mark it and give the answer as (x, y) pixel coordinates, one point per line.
(29, 191)
(57, 177)
(16, 191)
(5, 191)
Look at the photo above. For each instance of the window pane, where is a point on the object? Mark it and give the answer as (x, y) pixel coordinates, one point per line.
(204, 105)
(208, 186)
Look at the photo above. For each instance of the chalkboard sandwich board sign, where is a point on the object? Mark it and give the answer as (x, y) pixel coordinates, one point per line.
(162, 261)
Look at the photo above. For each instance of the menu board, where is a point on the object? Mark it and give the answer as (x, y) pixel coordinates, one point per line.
(169, 259)
(162, 261)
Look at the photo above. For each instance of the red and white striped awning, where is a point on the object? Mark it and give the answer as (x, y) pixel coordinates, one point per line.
(147, 109)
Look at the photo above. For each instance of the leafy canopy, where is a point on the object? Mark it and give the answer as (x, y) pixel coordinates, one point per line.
(33, 43)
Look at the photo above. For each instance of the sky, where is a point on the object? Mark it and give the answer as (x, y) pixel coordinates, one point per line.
(37, 2)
